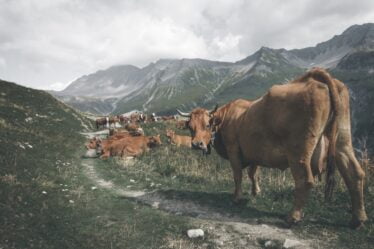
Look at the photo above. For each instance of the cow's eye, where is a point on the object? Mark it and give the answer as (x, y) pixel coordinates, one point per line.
(208, 126)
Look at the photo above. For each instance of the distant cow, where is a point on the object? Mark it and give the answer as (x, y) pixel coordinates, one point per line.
(282, 129)
(178, 140)
(124, 119)
(168, 118)
(182, 124)
(134, 128)
(107, 122)
(102, 122)
(138, 118)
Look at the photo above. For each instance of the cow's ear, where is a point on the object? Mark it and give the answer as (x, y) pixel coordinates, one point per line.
(216, 121)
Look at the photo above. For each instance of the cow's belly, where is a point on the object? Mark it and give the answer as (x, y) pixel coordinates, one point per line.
(264, 154)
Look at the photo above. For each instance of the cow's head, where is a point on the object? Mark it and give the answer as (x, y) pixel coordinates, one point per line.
(154, 141)
(200, 128)
(169, 133)
(94, 144)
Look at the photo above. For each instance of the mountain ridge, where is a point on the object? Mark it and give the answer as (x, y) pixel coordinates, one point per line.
(167, 84)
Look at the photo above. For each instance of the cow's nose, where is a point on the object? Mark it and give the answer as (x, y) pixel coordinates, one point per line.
(198, 144)
(195, 144)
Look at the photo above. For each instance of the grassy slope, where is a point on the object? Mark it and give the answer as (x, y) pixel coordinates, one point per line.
(208, 181)
(98, 219)
(69, 214)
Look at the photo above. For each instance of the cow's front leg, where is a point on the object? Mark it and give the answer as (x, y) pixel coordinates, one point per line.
(236, 166)
(253, 176)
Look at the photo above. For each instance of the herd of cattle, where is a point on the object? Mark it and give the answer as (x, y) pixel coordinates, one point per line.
(134, 118)
(303, 125)
(129, 140)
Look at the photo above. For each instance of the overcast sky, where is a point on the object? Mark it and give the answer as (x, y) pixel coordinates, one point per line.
(48, 43)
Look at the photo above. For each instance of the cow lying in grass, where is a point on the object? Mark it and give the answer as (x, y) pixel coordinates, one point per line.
(132, 129)
(123, 145)
(178, 140)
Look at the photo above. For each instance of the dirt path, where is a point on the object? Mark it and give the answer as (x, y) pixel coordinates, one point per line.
(224, 231)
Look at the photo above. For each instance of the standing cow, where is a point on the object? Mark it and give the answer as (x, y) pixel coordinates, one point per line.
(283, 129)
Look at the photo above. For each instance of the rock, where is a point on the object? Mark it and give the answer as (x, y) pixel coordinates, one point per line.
(269, 244)
(195, 233)
(155, 204)
(290, 243)
(91, 153)
(219, 242)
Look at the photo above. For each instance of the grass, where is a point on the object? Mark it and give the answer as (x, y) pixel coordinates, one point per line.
(46, 200)
(187, 175)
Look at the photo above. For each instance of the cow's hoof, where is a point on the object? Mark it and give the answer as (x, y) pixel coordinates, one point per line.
(292, 222)
(356, 224)
(294, 218)
(239, 201)
(255, 192)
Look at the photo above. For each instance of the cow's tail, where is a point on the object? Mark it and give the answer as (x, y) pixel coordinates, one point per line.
(323, 76)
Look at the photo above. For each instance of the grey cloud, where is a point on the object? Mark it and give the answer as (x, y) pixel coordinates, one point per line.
(46, 44)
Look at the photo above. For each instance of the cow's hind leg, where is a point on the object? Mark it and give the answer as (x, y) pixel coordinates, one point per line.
(302, 189)
(353, 176)
(253, 176)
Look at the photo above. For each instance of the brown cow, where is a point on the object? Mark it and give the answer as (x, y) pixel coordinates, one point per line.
(178, 140)
(102, 122)
(132, 127)
(124, 146)
(137, 117)
(123, 119)
(283, 128)
(182, 124)
(168, 118)
(107, 121)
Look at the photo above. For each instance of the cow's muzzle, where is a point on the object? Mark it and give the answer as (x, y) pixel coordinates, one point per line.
(201, 146)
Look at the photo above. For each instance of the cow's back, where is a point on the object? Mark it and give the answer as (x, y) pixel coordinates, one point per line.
(275, 123)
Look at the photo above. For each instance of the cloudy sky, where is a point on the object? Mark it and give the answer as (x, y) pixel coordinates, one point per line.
(48, 43)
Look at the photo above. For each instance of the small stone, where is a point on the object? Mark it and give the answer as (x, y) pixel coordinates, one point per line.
(195, 233)
(94, 187)
(71, 201)
(155, 204)
(132, 180)
(289, 243)
(269, 244)
(91, 153)
(44, 193)
(219, 242)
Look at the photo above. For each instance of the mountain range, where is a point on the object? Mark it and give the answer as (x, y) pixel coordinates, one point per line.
(168, 84)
